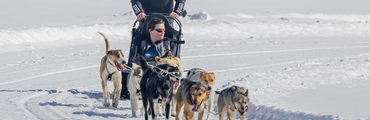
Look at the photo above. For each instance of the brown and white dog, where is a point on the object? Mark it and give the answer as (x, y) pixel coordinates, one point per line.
(110, 70)
(208, 79)
(192, 95)
(233, 100)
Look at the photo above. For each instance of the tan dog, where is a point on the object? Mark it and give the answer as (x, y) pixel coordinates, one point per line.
(192, 95)
(170, 60)
(110, 70)
(176, 62)
(233, 100)
(208, 79)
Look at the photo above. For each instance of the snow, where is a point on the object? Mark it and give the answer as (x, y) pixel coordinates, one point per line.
(299, 59)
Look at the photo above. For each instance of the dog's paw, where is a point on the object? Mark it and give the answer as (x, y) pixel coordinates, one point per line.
(115, 104)
(133, 116)
(106, 104)
(173, 115)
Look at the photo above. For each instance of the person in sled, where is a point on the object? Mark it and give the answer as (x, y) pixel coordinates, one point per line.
(157, 45)
(143, 7)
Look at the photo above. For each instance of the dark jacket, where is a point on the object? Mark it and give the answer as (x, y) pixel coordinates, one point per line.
(161, 47)
(157, 6)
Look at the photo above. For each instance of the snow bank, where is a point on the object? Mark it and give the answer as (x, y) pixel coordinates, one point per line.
(202, 15)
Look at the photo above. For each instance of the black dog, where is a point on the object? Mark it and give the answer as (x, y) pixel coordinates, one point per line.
(155, 86)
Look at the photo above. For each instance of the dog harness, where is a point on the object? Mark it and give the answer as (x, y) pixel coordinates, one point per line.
(106, 67)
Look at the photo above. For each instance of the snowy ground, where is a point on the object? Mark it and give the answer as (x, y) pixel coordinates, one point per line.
(297, 65)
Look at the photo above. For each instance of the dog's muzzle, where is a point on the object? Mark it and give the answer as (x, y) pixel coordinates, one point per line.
(120, 64)
(121, 61)
(196, 106)
(244, 109)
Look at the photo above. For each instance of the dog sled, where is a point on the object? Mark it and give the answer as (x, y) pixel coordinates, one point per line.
(139, 34)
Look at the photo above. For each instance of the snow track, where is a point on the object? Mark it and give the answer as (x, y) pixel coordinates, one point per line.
(47, 74)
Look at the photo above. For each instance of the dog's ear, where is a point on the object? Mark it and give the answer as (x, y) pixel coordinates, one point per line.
(201, 74)
(120, 52)
(193, 87)
(233, 88)
(157, 59)
(213, 74)
(169, 55)
(246, 93)
(109, 52)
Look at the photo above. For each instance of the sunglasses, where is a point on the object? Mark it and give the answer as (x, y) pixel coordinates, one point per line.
(160, 29)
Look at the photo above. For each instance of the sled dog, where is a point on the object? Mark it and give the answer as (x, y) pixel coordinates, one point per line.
(110, 70)
(133, 85)
(192, 95)
(175, 77)
(155, 87)
(206, 78)
(233, 100)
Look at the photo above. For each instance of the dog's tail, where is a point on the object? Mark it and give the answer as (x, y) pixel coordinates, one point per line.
(106, 42)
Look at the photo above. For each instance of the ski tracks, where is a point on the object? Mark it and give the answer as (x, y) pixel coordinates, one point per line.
(47, 103)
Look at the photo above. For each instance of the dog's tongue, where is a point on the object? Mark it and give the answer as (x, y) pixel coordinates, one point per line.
(121, 67)
(173, 84)
(195, 108)
(164, 99)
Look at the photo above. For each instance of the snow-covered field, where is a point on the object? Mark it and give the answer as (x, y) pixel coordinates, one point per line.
(299, 63)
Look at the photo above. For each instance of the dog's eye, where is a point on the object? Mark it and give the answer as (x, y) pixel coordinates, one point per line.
(199, 94)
